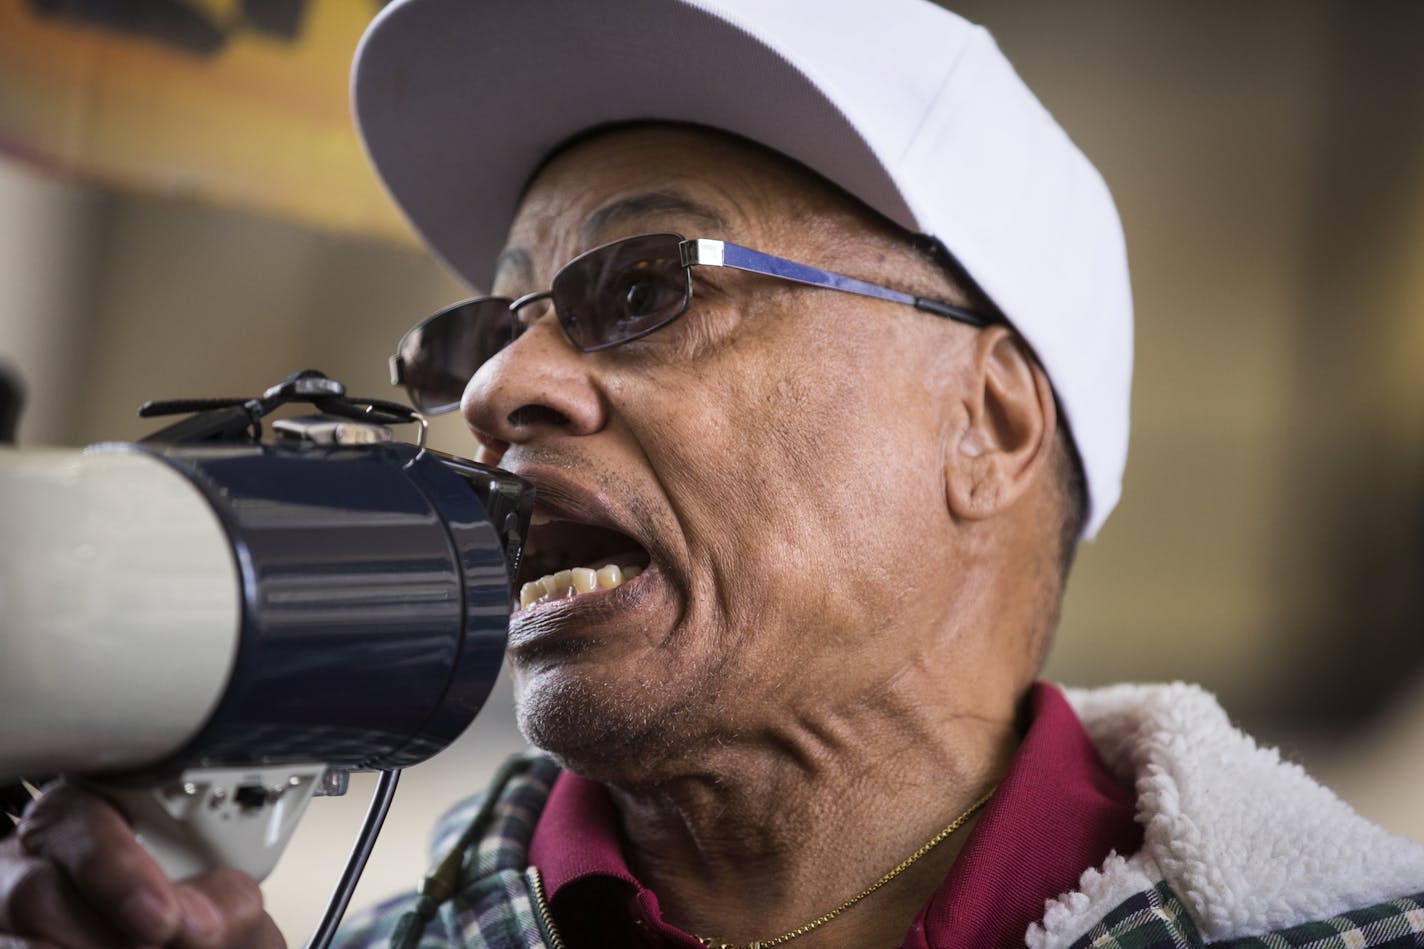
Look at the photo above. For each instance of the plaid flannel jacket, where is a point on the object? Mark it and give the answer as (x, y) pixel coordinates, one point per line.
(1157, 919)
(496, 903)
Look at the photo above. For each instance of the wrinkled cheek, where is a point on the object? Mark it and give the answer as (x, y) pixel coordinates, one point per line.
(774, 541)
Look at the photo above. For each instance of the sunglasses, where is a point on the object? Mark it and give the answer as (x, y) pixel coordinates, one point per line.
(606, 297)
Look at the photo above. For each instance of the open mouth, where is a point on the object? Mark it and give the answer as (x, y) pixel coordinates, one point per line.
(565, 559)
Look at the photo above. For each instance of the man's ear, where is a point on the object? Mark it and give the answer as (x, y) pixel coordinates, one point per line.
(1008, 427)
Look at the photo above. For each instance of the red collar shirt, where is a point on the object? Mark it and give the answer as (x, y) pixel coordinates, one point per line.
(1056, 813)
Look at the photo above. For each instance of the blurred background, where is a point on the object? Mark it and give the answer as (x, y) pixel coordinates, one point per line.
(184, 211)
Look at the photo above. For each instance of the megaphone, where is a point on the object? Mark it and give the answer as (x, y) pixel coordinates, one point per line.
(216, 628)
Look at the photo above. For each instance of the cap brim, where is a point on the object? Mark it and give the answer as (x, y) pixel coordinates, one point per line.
(457, 104)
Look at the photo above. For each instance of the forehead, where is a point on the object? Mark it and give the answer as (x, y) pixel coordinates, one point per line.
(696, 181)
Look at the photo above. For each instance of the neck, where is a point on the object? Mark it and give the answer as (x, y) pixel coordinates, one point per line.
(762, 833)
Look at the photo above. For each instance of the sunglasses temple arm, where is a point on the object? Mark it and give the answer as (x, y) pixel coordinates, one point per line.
(725, 254)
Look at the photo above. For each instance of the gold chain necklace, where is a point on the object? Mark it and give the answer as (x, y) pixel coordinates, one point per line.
(819, 921)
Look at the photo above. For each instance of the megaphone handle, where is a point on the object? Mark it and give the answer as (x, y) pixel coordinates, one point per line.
(218, 817)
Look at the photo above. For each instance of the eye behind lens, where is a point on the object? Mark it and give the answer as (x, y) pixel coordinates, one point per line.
(647, 299)
(621, 291)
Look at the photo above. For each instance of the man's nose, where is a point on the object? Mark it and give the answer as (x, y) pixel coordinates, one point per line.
(539, 386)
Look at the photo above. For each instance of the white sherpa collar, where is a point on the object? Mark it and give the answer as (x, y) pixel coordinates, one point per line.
(1247, 841)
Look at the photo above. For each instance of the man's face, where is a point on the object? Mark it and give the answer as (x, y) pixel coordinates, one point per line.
(775, 456)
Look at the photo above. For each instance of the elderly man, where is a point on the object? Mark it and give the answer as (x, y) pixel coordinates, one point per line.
(813, 332)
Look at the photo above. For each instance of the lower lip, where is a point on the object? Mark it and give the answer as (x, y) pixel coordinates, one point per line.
(579, 616)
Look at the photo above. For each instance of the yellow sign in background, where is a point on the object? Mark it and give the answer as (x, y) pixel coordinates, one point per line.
(240, 102)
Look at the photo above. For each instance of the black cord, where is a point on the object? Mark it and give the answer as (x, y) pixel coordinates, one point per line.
(360, 853)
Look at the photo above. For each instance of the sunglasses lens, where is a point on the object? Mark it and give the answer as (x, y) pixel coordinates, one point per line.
(438, 357)
(622, 290)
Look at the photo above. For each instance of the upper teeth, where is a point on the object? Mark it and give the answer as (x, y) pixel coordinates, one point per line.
(574, 582)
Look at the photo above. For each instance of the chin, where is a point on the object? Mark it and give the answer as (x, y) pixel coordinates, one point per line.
(603, 726)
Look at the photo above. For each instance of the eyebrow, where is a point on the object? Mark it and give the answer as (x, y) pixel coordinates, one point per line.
(643, 205)
(521, 263)
(516, 259)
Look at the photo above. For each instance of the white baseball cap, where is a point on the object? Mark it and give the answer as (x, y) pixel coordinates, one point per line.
(903, 104)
